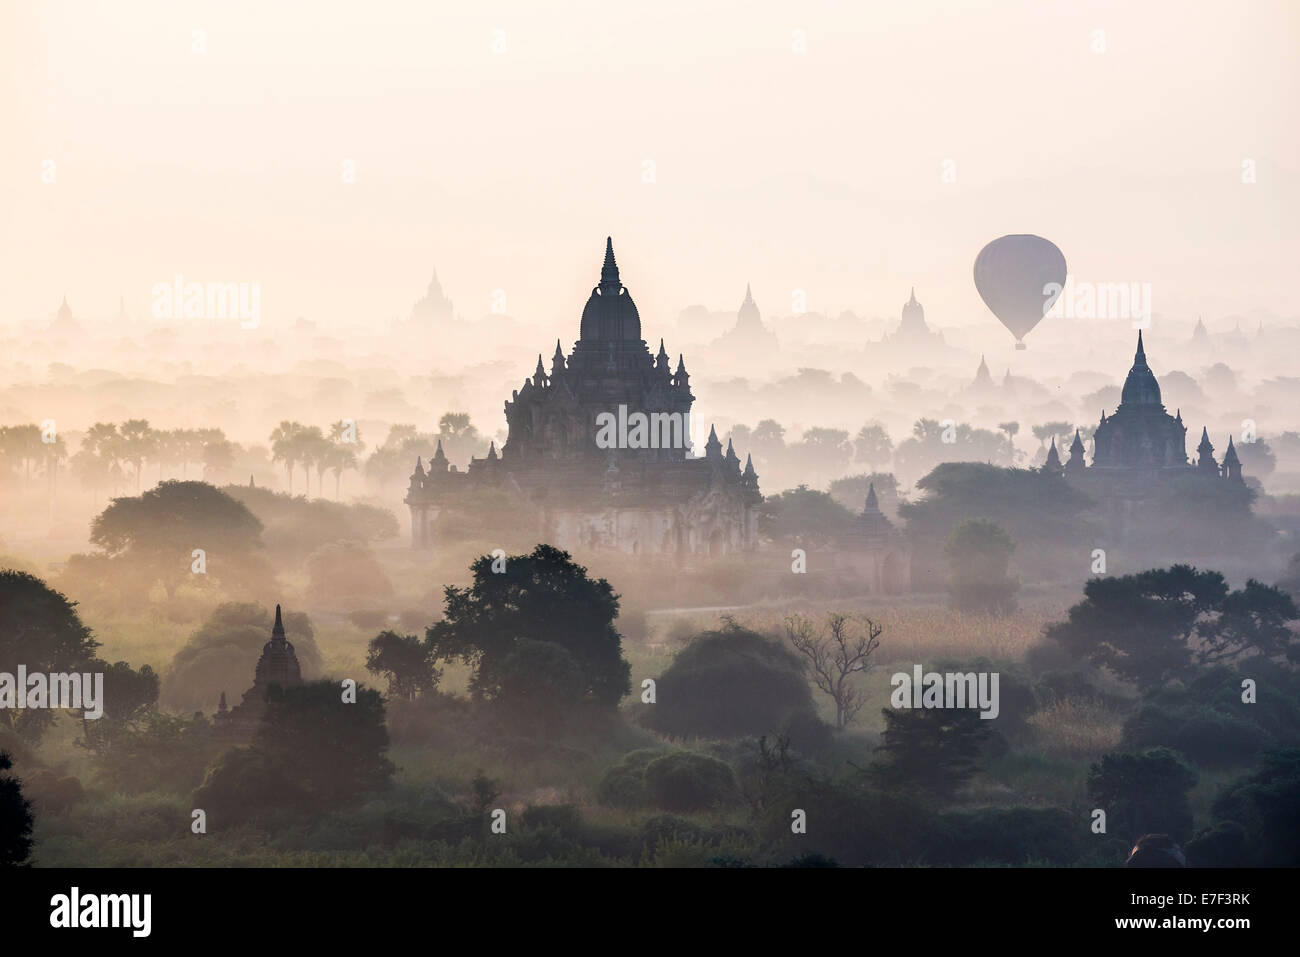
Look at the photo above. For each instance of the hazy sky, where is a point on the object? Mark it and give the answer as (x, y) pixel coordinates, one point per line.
(818, 170)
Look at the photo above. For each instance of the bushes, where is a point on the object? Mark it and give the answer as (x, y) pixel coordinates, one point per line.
(244, 784)
(1011, 836)
(1208, 722)
(730, 683)
(623, 785)
(672, 781)
(685, 781)
(1208, 737)
(1264, 804)
(1144, 793)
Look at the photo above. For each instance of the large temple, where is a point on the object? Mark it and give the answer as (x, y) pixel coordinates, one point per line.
(1141, 442)
(600, 449)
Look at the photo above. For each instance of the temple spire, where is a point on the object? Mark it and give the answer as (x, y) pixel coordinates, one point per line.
(873, 504)
(609, 281)
(1140, 358)
(278, 630)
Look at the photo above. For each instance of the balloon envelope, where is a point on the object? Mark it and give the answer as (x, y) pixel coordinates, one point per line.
(1019, 277)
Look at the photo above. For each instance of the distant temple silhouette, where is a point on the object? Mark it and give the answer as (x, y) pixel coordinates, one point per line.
(434, 307)
(748, 334)
(655, 500)
(278, 666)
(1140, 442)
(912, 328)
(876, 551)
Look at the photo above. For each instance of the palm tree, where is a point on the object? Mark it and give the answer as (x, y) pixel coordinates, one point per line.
(138, 442)
(312, 445)
(336, 459)
(284, 447)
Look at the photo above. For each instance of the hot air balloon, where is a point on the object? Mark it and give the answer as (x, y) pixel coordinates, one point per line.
(1019, 277)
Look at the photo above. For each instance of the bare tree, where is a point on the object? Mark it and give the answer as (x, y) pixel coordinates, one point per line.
(837, 649)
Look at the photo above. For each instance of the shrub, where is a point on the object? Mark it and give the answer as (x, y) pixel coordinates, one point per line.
(1012, 836)
(1144, 793)
(1264, 803)
(686, 781)
(623, 784)
(245, 784)
(730, 683)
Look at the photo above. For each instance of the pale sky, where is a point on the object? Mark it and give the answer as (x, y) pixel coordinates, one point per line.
(505, 170)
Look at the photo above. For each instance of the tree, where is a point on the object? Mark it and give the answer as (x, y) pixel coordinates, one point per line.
(731, 683)
(1144, 793)
(285, 447)
(1062, 431)
(346, 571)
(872, 447)
(129, 695)
(334, 750)
(15, 818)
(139, 442)
(543, 596)
(404, 660)
(1262, 804)
(1162, 623)
(769, 437)
(539, 682)
(826, 450)
(155, 535)
(932, 750)
(1257, 458)
(42, 630)
(838, 649)
(804, 516)
(979, 554)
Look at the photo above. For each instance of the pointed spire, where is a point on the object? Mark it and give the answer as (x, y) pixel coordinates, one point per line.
(1140, 358)
(492, 451)
(1077, 444)
(278, 630)
(750, 475)
(873, 504)
(912, 301)
(557, 360)
(250, 481)
(609, 281)
(749, 296)
(731, 457)
(222, 708)
(1230, 456)
(439, 459)
(1053, 462)
(713, 448)
(681, 374)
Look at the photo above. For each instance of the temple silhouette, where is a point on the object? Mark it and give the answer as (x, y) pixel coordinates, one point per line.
(278, 666)
(651, 498)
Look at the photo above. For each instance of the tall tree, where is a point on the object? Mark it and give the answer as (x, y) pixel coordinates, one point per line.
(543, 596)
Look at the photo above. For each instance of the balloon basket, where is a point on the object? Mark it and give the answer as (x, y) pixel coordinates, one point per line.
(1020, 346)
